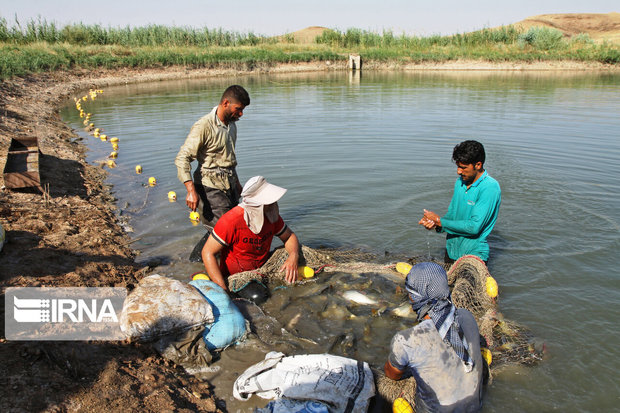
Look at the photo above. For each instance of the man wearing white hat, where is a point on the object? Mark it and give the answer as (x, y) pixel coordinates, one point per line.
(243, 235)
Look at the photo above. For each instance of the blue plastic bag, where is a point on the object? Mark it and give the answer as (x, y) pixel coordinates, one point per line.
(229, 325)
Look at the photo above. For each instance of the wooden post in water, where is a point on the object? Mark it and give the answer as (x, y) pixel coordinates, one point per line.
(355, 62)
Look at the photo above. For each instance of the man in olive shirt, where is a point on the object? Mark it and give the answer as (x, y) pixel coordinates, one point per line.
(211, 141)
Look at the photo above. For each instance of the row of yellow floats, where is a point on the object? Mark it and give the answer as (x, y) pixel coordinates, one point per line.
(111, 163)
(194, 216)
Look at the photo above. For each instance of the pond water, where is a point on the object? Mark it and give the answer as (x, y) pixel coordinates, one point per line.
(362, 156)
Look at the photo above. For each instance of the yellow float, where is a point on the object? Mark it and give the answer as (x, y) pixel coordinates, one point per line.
(172, 196)
(401, 405)
(152, 181)
(305, 271)
(492, 288)
(200, 276)
(486, 354)
(138, 169)
(403, 268)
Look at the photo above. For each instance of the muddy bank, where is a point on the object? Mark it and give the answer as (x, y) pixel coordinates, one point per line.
(73, 239)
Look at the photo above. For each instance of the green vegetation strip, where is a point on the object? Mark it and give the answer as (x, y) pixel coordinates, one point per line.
(41, 46)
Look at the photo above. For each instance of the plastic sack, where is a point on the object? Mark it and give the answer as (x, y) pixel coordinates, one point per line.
(346, 385)
(293, 406)
(161, 305)
(229, 324)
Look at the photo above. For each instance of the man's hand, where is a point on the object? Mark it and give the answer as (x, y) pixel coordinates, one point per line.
(290, 266)
(427, 223)
(192, 197)
(392, 372)
(430, 220)
(291, 245)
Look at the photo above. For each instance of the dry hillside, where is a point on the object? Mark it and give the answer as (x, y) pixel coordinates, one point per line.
(307, 35)
(599, 26)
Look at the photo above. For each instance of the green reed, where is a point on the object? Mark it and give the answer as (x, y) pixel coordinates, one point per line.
(40, 46)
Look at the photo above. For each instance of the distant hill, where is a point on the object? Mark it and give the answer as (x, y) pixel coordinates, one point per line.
(307, 35)
(598, 26)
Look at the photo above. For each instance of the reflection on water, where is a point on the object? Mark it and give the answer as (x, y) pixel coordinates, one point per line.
(361, 157)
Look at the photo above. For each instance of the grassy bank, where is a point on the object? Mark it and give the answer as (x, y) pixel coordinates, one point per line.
(39, 46)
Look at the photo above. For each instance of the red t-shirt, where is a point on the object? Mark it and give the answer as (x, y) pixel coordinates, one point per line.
(244, 250)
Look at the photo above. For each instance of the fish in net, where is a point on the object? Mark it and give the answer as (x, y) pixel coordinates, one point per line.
(508, 341)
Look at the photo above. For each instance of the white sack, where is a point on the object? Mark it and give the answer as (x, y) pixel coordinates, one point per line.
(346, 385)
(161, 305)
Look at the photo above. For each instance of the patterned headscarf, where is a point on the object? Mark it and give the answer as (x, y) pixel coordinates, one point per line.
(427, 285)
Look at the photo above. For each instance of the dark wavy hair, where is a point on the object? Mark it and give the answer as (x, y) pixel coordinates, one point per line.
(236, 93)
(468, 152)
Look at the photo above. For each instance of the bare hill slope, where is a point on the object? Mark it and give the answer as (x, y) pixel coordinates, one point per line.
(599, 26)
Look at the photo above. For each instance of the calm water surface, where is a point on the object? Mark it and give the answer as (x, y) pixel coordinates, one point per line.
(361, 158)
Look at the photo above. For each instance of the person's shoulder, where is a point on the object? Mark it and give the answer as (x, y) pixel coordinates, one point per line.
(232, 216)
(235, 212)
(207, 118)
(422, 328)
(464, 313)
(466, 318)
(492, 181)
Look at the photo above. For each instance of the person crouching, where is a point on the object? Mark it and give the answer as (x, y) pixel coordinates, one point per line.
(243, 235)
(442, 352)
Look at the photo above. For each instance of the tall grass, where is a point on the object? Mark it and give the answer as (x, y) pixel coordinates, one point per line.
(543, 38)
(357, 38)
(43, 46)
(18, 60)
(152, 35)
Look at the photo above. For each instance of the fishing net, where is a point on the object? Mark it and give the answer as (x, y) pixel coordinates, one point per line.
(388, 390)
(270, 272)
(508, 341)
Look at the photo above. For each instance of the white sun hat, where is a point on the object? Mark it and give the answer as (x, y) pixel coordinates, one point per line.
(257, 191)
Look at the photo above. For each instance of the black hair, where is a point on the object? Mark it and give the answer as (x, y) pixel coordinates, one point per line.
(236, 93)
(468, 152)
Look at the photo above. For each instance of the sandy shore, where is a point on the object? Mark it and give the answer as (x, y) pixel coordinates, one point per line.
(74, 239)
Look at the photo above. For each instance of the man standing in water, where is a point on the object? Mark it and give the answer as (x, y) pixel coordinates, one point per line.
(212, 141)
(474, 207)
(442, 352)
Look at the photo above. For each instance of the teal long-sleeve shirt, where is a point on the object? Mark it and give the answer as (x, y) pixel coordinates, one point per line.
(471, 217)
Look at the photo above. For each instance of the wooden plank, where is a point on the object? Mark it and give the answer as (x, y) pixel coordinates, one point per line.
(22, 164)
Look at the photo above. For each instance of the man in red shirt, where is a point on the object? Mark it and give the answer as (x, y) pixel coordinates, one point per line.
(243, 235)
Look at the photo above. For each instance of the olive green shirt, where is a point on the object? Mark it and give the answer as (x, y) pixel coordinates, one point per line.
(212, 144)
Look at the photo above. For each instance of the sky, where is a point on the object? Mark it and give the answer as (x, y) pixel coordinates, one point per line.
(273, 17)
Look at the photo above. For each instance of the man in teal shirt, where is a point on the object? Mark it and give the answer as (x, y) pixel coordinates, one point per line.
(474, 207)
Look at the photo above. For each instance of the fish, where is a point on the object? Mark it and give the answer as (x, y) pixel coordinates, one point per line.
(359, 298)
(336, 312)
(291, 324)
(345, 343)
(404, 310)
